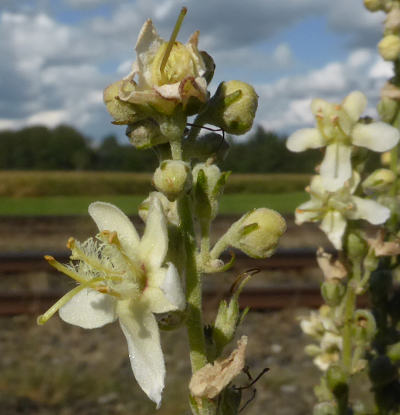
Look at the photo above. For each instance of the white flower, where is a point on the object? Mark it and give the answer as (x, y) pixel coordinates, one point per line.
(333, 209)
(338, 128)
(122, 277)
(165, 78)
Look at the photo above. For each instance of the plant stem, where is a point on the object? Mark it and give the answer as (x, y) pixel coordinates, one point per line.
(194, 321)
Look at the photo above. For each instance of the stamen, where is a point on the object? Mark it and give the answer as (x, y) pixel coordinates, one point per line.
(173, 38)
(63, 300)
(65, 270)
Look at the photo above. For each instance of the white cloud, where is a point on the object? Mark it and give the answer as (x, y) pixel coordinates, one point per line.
(285, 104)
(282, 55)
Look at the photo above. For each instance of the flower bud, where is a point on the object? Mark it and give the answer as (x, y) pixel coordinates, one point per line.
(145, 134)
(325, 408)
(392, 22)
(389, 47)
(122, 112)
(336, 379)
(357, 247)
(233, 107)
(373, 5)
(378, 181)
(172, 178)
(257, 233)
(387, 109)
(208, 183)
(333, 291)
(364, 326)
(393, 352)
(170, 208)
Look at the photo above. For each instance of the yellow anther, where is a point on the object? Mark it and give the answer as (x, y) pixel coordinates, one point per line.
(71, 243)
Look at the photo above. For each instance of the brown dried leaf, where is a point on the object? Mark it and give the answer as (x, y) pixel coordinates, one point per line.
(211, 379)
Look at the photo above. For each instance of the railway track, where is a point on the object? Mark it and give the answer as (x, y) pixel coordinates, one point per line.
(265, 298)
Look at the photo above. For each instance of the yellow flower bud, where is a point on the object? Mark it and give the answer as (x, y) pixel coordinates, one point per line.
(257, 233)
(378, 181)
(389, 47)
(145, 134)
(233, 107)
(122, 112)
(392, 21)
(373, 5)
(172, 178)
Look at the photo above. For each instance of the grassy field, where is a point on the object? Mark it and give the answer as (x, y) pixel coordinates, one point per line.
(67, 183)
(76, 205)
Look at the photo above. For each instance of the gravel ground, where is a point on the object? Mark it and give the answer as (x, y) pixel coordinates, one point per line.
(61, 369)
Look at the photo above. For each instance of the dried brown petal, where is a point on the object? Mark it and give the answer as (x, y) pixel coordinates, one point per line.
(211, 379)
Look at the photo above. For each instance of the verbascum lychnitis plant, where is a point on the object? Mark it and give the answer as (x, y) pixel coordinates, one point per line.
(155, 282)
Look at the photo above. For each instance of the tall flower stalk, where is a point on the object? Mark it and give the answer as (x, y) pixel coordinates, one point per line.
(155, 282)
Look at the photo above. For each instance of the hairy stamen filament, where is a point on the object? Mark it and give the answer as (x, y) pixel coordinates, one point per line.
(93, 262)
(65, 270)
(64, 299)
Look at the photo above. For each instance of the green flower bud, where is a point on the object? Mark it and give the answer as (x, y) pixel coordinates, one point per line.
(122, 112)
(382, 371)
(312, 350)
(145, 134)
(325, 408)
(356, 246)
(364, 329)
(333, 291)
(257, 233)
(378, 181)
(172, 178)
(392, 22)
(336, 379)
(208, 183)
(388, 109)
(393, 352)
(373, 5)
(233, 107)
(389, 47)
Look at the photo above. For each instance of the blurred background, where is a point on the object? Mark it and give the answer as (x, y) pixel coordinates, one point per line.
(59, 152)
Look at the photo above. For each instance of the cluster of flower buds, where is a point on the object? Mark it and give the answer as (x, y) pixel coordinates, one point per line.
(389, 46)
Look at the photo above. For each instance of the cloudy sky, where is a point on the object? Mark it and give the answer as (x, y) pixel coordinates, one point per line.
(58, 55)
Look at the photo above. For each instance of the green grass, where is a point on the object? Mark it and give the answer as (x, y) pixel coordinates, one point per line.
(77, 205)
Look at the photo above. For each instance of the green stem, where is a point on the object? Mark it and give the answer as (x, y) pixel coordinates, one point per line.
(176, 149)
(194, 321)
(196, 127)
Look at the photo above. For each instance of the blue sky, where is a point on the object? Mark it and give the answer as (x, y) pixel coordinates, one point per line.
(58, 55)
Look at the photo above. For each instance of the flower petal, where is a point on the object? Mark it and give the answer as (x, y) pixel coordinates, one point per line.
(172, 287)
(334, 224)
(304, 139)
(164, 290)
(336, 166)
(369, 210)
(307, 211)
(141, 331)
(377, 136)
(89, 309)
(154, 244)
(354, 105)
(109, 217)
(321, 107)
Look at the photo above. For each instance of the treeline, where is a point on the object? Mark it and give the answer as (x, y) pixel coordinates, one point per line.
(65, 148)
